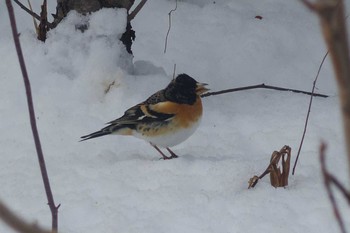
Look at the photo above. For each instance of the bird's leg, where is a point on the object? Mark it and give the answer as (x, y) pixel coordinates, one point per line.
(173, 155)
(164, 156)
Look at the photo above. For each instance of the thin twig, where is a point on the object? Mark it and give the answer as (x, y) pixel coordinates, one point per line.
(35, 15)
(328, 182)
(51, 203)
(264, 87)
(167, 34)
(34, 21)
(18, 224)
(308, 112)
(132, 15)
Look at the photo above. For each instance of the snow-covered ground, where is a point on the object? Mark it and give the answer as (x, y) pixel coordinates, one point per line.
(118, 184)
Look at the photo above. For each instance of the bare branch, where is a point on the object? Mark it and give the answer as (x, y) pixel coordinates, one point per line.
(53, 207)
(167, 34)
(308, 112)
(264, 87)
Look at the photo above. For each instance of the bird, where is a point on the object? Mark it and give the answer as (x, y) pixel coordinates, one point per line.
(165, 119)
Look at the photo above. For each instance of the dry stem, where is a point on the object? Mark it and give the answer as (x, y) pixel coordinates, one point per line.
(278, 178)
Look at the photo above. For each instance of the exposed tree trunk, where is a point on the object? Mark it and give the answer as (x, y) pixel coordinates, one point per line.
(88, 6)
(85, 7)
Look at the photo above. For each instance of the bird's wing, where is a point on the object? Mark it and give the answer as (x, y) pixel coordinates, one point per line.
(156, 98)
(143, 112)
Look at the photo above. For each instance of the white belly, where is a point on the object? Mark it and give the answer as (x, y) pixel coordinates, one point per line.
(171, 139)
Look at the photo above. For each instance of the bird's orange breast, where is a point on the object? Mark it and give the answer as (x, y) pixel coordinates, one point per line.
(185, 114)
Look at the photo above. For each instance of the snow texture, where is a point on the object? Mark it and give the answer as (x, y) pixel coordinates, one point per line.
(118, 184)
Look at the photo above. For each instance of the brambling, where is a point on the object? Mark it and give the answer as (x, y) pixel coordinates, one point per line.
(165, 119)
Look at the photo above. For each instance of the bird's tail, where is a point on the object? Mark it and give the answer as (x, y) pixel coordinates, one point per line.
(119, 129)
(95, 135)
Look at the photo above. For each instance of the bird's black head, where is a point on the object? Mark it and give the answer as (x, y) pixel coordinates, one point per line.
(182, 89)
(185, 81)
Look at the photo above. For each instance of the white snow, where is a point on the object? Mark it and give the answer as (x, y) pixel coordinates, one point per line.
(118, 184)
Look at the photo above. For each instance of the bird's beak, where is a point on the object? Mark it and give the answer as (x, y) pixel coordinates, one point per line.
(200, 89)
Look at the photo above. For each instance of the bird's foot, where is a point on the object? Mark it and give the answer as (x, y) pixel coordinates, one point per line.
(170, 157)
(173, 155)
(164, 157)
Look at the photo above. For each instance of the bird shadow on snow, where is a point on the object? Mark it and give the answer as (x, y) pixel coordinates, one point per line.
(209, 158)
(142, 67)
(111, 157)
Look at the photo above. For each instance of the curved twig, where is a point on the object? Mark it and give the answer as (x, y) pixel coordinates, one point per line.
(308, 113)
(167, 34)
